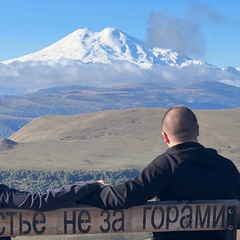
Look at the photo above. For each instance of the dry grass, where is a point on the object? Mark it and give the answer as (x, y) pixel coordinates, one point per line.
(111, 139)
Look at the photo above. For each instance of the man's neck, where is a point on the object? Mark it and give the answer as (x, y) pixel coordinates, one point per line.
(174, 143)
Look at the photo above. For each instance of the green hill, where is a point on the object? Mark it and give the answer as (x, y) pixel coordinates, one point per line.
(109, 140)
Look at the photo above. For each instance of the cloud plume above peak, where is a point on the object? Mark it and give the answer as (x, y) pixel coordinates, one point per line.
(183, 34)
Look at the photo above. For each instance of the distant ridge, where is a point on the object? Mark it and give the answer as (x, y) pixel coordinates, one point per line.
(17, 111)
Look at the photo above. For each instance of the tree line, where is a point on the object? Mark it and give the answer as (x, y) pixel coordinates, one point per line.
(40, 181)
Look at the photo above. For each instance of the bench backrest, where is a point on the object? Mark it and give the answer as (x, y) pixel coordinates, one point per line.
(151, 217)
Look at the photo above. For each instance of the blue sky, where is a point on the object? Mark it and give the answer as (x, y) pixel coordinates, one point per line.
(206, 30)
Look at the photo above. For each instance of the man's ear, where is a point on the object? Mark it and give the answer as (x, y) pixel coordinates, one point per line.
(197, 130)
(165, 137)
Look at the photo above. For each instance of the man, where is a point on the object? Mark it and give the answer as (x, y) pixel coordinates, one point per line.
(186, 171)
(48, 201)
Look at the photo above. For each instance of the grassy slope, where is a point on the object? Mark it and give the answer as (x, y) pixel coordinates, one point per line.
(110, 139)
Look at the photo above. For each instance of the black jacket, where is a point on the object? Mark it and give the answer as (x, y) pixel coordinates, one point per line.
(186, 171)
(48, 201)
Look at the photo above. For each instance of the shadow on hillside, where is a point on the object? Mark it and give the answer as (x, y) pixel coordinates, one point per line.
(6, 144)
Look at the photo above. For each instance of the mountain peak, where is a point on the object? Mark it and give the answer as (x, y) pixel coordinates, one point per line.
(110, 31)
(107, 46)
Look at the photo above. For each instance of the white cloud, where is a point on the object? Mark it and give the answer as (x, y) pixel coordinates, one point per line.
(33, 75)
(36, 75)
(183, 34)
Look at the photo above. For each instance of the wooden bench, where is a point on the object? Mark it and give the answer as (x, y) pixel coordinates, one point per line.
(151, 217)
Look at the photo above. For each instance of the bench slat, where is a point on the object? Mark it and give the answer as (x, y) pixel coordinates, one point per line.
(151, 217)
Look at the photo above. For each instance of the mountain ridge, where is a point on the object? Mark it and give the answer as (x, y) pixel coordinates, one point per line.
(17, 111)
(107, 46)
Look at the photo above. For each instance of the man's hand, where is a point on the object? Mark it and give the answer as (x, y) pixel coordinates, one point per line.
(102, 182)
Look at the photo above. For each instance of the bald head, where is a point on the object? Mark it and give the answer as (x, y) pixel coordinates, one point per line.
(180, 124)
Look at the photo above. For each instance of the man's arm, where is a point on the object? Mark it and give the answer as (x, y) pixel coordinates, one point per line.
(51, 200)
(150, 183)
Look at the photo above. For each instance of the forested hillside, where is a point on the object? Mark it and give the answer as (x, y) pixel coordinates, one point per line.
(40, 181)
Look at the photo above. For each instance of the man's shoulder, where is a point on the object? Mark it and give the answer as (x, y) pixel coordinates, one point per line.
(164, 161)
(226, 162)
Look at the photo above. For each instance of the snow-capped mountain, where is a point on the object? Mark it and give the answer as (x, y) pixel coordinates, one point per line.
(107, 58)
(107, 46)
